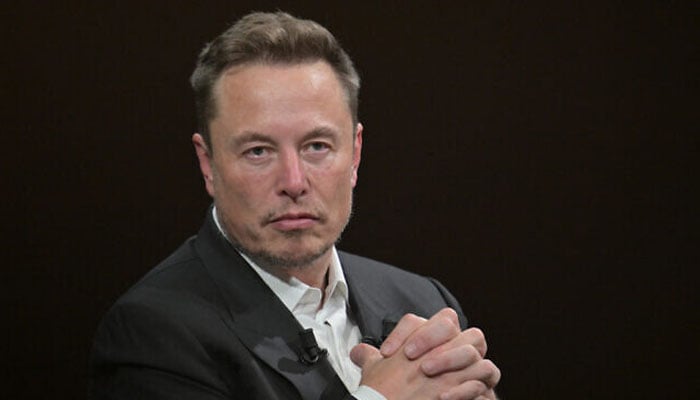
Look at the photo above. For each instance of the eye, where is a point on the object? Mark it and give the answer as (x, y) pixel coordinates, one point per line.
(318, 146)
(256, 152)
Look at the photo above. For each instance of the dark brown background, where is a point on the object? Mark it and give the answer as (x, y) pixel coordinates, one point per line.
(538, 159)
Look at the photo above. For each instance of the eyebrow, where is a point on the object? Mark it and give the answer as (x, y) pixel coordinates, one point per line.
(321, 132)
(250, 136)
(253, 136)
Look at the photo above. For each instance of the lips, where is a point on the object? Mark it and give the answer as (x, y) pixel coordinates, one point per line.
(293, 221)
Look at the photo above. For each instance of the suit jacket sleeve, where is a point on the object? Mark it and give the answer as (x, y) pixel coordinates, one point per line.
(141, 353)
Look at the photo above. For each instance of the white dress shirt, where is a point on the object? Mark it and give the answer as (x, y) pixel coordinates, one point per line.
(332, 325)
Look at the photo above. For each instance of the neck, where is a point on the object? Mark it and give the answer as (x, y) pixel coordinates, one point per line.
(314, 274)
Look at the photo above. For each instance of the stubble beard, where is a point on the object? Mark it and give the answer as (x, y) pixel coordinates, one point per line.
(268, 260)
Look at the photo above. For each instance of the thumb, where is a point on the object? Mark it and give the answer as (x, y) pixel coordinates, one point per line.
(363, 355)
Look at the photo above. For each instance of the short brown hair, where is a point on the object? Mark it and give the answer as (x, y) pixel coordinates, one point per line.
(271, 38)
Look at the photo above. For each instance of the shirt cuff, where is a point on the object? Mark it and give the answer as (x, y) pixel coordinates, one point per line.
(367, 393)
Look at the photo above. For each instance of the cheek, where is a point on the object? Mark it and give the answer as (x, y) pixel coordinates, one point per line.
(239, 191)
(338, 187)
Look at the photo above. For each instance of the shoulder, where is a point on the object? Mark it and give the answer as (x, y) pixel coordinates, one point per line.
(374, 270)
(391, 287)
(176, 297)
(369, 268)
(179, 277)
(168, 321)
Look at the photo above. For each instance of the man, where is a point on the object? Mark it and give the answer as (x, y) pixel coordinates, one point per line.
(260, 304)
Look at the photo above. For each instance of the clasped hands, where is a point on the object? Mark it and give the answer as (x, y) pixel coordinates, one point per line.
(429, 359)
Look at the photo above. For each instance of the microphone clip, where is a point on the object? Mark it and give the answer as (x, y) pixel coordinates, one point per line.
(310, 352)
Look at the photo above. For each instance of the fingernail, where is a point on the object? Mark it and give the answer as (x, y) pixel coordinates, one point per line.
(411, 350)
(387, 348)
(428, 367)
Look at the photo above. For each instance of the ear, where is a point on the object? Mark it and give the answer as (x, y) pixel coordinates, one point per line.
(205, 162)
(356, 153)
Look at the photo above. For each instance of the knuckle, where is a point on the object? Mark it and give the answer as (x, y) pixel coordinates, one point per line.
(472, 354)
(411, 320)
(448, 324)
(411, 317)
(492, 372)
(496, 377)
(475, 388)
(406, 325)
(477, 333)
(478, 339)
(449, 313)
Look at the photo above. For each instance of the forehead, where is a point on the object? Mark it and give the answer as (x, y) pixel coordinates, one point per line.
(248, 87)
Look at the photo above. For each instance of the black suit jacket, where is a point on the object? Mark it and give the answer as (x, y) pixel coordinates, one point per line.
(203, 325)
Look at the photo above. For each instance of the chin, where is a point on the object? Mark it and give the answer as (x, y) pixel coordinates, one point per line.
(287, 252)
(288, 259)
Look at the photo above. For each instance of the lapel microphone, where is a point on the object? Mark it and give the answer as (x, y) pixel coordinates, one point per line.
(310, 352)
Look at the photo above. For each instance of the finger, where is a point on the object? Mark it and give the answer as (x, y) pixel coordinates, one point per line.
(439, 329)
(493, 373)
(364, 354)
(490, 395)
(451, 359)
(477, 339)
(450, 314)
(472, 337)
(465, 390)
(484, 371)
(406, 326)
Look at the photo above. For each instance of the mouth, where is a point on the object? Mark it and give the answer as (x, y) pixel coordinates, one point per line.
(293, 221)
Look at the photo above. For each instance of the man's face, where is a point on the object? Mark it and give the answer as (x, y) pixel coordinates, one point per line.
(283, 162)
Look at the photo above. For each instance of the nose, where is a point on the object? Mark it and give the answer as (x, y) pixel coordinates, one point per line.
(292, 182)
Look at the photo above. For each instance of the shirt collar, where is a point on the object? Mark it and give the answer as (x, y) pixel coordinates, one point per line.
(292, 292)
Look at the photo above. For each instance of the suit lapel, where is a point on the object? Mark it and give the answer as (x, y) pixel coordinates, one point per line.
(368, 302)
(259, 318)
